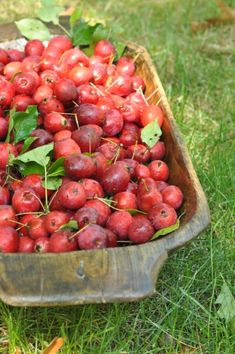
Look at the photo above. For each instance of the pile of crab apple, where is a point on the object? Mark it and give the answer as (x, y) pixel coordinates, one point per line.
(92, 110)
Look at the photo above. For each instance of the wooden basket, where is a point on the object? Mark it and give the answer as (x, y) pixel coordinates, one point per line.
(116, 274)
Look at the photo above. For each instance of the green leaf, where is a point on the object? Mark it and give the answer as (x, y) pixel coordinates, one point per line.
(75, 17)
(72, 224)
(24, 123)
(120, 48)
(33, 29)
(87, 153)
(11, 124)
(56, 168)
(50, 11)
(135, 211)
(30, 168)
(83, 33)
(89, 51)
(27, 143)
(101, 32)
(151, 133)
(52, 183)
(38, 155)
(227, 302)
(166, 230)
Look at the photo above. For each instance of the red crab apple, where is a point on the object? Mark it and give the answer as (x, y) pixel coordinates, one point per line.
(162, 215)
(9, 240)
(41, 244)
(34, 47)
(119, 223)
(150, 113)
(92, 237)
(86, 215)
(88, 137)
(102, 209)
(5, 150)
(72, 195)
(66, 148)
(55, 219)
(37, 228)
(125, 200)
(7, 216)
(79, 166)
(173, 196)
(159, 170)
(26, 244)
(25, 200)
(115, 179)
(104, 49)
(141, 229)
(65, 90)
(62, 241)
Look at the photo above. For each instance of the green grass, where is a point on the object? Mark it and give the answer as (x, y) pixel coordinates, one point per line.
(200, 89)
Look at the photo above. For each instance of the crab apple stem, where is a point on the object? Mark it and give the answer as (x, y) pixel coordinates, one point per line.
(136, 57)
(151, 95)
(46, 208)
(139, 90)
(75, 103)
(116, 155)
(14, 76)
(182, 214)
(103, 200)
(113, 83)
(17, 222)
(160, 99)
(78, 232)
(65, 113)
(145, 185)
(98, 90)
(111, 59)
(109, 140)
(53, 198)
(31, 213)
(133, 155)
(64, 29)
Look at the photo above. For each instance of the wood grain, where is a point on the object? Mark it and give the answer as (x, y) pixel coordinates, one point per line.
(110, 275)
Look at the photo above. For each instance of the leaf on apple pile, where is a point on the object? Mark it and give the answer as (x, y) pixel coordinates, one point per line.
(27, 143)
(227, 302)
(50, 11)
(37, 161)
(30, 168)
(72, 224)
(33, 29)
(22, 123)
(38, 155)
(151, 133)
(166, 230)
(56, 168)
(75, 17)
(135, 211)
(52, 183)
(82, 33)
(85, 33)
(120, 48)
(11, 125)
